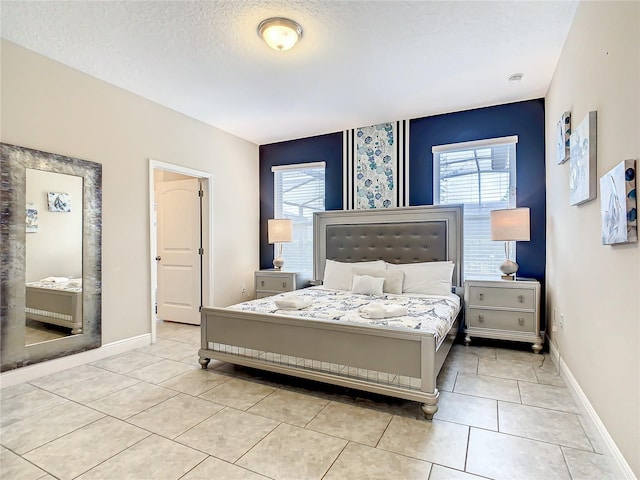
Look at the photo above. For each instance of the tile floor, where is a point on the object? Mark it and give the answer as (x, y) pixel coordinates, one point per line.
(155, 414)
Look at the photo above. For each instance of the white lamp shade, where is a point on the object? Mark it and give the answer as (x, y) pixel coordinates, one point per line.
(510, 224)
(280, 33)
(279, 230)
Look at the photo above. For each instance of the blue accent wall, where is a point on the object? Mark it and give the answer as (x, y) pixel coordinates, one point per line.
(524, 119)
(323, 148)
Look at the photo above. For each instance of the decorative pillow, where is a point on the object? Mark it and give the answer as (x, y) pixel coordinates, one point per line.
(392, 278)
(338, 275)
(367, 285)
(430, 278)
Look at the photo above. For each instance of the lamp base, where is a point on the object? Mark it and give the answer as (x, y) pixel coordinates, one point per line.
(508, 277)
(278, 262)
(509, 268)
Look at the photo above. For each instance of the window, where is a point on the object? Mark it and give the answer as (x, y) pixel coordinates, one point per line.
(481, 176)
(299, 191)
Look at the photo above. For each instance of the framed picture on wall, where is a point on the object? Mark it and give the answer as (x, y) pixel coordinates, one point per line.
(619, 204)
(563, 134)
(59, 202)
(32, 218)
(582, 161)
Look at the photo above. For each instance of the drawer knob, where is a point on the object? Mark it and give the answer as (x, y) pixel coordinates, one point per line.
(521, 298)
(284, 284)
(262, 283)
(481, 318)
(481, 296)
(521, 321)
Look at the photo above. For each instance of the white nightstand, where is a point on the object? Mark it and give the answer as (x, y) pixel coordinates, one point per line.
(270, 282)
(503, 309)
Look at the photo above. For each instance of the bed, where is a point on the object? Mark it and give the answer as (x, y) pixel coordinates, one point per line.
(55, 302)
(390, 359)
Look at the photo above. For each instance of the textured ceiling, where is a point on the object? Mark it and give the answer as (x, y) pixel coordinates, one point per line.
(358, 63)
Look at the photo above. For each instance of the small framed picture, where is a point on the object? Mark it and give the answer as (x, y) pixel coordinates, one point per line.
(583, 161)
(59, 202)
(563, 138)
(32, 218)
(618, 204)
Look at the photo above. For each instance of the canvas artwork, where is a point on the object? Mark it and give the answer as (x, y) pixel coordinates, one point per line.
(563, 137)
(59, 202)
(32, 218)
(375, 166)
(582, 175)
(618, 204)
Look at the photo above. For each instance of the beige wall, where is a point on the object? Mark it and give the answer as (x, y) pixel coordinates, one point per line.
(596, 286)
(50, 107)
(55, 250)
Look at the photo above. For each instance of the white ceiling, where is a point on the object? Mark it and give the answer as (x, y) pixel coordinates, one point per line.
(358, 63)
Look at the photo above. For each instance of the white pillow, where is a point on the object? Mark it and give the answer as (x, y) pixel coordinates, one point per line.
(392, 278)
(338, 275)
(367, 285)
(430, 278)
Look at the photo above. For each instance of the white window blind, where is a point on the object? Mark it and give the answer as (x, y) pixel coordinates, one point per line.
(299, 191)
(482, 177)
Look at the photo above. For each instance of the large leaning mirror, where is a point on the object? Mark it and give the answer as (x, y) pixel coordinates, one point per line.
(51, 230)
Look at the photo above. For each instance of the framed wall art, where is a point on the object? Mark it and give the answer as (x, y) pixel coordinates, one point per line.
(582, 161)
(619, 204)
(31, 225)
(563, 134)
(59, 202)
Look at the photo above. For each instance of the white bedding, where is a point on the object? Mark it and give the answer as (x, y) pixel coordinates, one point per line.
(426, 313)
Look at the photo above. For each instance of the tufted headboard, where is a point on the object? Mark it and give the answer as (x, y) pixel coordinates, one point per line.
(398, 235)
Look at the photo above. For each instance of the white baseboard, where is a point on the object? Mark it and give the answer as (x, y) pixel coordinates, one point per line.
(583, 402)
(37, 370)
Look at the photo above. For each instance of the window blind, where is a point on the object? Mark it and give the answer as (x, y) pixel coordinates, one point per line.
(480, 176)
(299, 191)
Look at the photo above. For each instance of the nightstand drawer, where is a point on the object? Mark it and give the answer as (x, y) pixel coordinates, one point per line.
(502, 297)
(501, 320)
(274, 283)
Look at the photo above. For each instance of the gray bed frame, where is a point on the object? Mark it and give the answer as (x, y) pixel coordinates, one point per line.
(401, 235)
(56, 307)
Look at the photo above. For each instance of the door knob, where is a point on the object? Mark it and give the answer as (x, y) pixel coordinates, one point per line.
(158, 258)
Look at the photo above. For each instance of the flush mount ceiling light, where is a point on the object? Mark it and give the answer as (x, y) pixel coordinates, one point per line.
(280, 33)
(516, 77)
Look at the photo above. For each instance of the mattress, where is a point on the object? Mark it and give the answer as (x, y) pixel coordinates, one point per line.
(432, 314)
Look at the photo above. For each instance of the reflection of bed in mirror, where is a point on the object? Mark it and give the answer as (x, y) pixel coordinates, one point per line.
(399, 362)
(56, 302)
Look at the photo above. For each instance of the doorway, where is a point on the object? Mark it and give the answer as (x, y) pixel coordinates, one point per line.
(180, 243)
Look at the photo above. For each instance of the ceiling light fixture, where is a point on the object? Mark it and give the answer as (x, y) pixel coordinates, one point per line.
(280, 33)
(516, 77)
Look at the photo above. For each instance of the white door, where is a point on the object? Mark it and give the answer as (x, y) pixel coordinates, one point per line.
(178, 260)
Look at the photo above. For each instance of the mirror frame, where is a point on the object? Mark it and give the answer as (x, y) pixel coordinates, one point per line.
(14, 160)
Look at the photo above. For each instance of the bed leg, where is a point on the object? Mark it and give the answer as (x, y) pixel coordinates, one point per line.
(430, 406)
(204, 362)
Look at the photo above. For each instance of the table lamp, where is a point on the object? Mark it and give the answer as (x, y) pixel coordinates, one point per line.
(510, 225)
(279, 231)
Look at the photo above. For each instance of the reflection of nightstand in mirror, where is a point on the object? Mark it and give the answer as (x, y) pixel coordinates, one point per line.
(270, 282)
(503, 309)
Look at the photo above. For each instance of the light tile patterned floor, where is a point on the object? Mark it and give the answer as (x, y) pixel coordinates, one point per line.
(154, 414)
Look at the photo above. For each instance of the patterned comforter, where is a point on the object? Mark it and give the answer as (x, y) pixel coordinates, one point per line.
(429, 314)
(65, 287)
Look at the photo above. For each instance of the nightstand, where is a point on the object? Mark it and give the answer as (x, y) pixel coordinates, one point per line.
(270, 282)
(503, 309)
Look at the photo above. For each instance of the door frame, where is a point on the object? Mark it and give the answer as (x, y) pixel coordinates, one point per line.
(207, 238)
